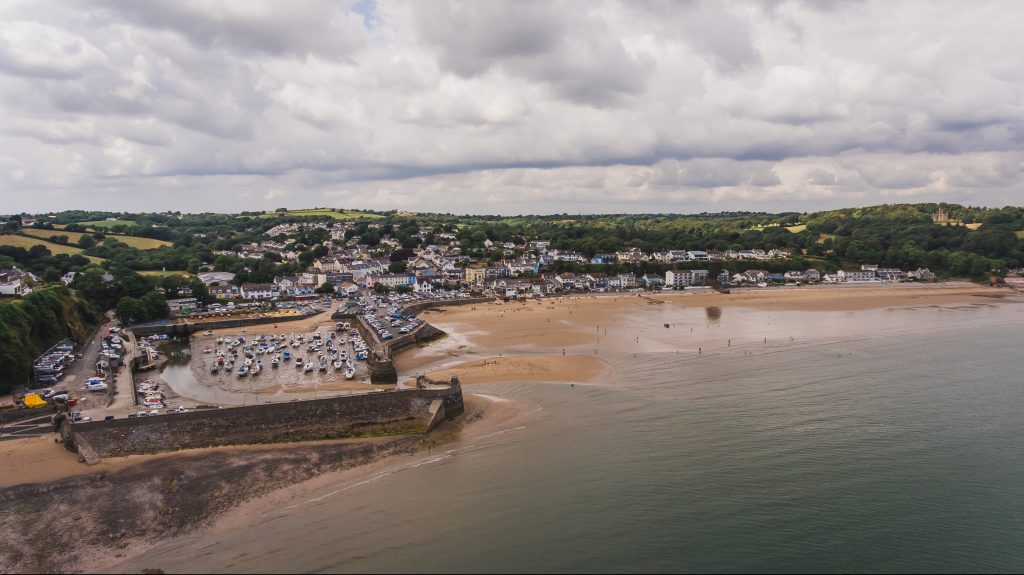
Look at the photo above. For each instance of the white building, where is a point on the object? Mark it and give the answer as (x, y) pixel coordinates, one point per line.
(681, 278)
(258, 291)
(391, 280)
(856, 275)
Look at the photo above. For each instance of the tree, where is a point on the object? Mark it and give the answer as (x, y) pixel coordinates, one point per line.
(325, 287)
(200, 291)
(397, 267)
(86, 242)
(131, 310)
(51, 275)
(155, 305)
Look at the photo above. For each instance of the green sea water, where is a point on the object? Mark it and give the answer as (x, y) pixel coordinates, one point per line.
(899, 451)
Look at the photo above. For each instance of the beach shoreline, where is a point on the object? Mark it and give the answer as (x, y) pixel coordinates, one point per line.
(555, 341)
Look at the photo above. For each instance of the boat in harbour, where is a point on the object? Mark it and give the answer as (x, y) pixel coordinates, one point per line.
(242, 371)
(350, 372)
(309, 367)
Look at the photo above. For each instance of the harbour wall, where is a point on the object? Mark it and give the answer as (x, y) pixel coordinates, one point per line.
(186, 328)
(380, 362)
(384, 413)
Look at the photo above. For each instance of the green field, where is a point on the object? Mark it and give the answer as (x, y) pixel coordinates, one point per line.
(132, 241)
(959, 223)
(106, 224)
(162, 273)
(797, 228)
(27, 243)
(342, 215)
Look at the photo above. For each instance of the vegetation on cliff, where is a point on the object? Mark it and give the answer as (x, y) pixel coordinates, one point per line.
(30, 325)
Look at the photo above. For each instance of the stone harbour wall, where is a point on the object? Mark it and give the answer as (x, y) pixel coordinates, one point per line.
(389, 412)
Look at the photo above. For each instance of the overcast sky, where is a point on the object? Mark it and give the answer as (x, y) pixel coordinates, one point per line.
(509, 108)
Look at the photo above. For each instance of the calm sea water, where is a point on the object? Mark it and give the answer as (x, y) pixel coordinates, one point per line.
(879, 454)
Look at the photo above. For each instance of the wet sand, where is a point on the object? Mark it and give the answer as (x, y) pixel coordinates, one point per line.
(286, 382)
(485, 416)
(687, 323)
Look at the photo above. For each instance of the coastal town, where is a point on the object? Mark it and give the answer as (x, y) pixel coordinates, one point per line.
(281, 328)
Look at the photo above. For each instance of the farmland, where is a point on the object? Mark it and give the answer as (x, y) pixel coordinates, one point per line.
(108, 223)
(27, 243)
(131, 241)
(342, 215)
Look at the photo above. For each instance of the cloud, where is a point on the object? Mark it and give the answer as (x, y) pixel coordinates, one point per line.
(507, 106)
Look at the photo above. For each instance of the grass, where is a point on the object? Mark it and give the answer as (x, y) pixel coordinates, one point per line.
(27, 243)
(822, 237)
(1020, 234)
(342, 215)
(959, 223)
(162, 273)
(793, 229)
(106, 224)
(131, 241)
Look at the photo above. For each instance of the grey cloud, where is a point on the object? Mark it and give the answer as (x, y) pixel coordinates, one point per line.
(707, 27)
(282, 28)
(659, 105)
(822, 177)
(578, 56)
(713, 173)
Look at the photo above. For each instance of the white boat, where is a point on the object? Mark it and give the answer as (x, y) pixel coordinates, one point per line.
(256, 369)
(309, 367)
(274, 362)
(338, 364)
(243, 370)
(350, 372)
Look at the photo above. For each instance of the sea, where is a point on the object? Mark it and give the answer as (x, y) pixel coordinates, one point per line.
(896, 449)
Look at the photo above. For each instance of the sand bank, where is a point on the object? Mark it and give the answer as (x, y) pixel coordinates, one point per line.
(546, 368)
(609, 325)
(484, 417)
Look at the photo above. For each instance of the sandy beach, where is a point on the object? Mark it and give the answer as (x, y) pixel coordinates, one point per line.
(699, 321)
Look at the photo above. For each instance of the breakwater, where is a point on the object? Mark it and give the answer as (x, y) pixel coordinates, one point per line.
(380, 361)
(185, 328)
(385, 413)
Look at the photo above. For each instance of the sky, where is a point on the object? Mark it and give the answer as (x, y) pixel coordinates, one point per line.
(522, 107)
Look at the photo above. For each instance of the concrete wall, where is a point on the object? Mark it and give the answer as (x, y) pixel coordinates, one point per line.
(416, 308)
(186, 328)
(405, 411)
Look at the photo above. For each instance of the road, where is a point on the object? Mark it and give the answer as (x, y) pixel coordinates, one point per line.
(74, 376)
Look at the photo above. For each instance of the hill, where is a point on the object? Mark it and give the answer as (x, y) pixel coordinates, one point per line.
(31, 324)
(19, 241)
(131, 241)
